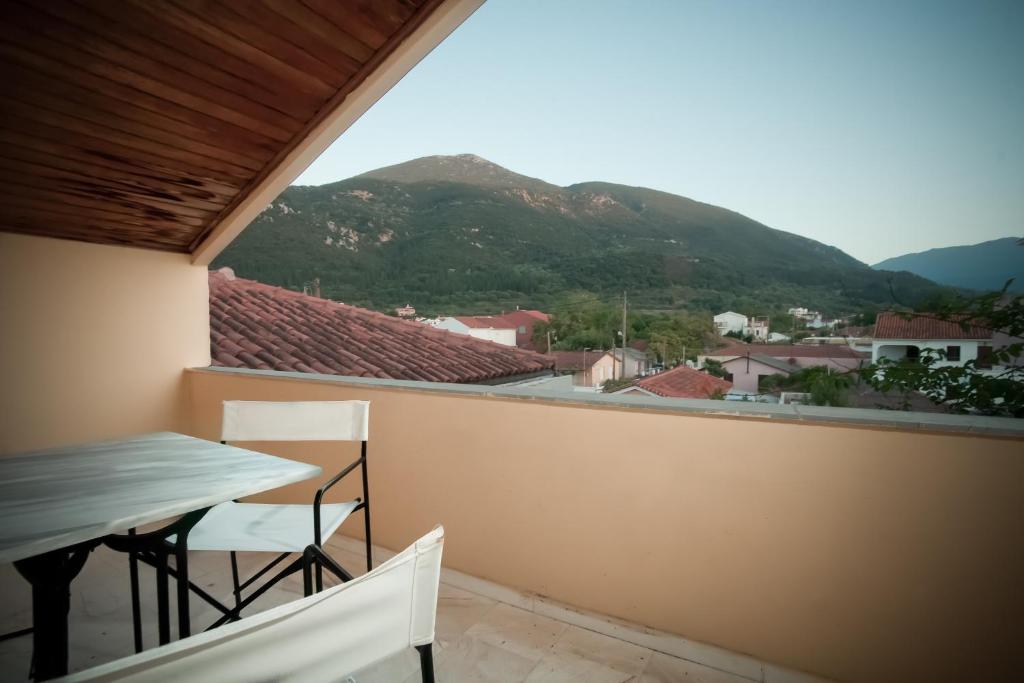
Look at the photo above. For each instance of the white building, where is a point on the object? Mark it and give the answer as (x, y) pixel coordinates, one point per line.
(481, 327)
(900, 336)
(756, 328)
(730, 322)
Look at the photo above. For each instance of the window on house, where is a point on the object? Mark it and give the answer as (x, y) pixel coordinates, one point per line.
(984, 357)
(913, 353)
(952, 353)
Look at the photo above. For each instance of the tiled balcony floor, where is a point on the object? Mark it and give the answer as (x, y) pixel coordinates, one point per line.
(478, 637)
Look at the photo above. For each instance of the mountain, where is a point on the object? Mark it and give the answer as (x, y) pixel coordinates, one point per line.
(461, 234)
(985, 266)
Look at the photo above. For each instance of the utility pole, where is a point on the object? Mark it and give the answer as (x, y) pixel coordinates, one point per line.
(623, 375)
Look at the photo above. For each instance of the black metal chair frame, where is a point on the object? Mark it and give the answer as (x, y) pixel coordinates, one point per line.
(154, 549)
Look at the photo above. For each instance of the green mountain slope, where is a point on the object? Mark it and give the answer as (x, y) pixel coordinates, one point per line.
(985, 266)
(455, 233)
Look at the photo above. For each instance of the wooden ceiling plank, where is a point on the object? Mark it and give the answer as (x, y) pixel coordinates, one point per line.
(55, 220)
(295, 105)
(101, 137)
(32, 97)
(55, 72)
(265, 31)
(295, 35)
(78, 59)
(30, 84)
(213, 54)
(22, 145)
(137, 213)
(169, 76)
(260, 60)
(20, 172)
(370, 30)
(94, 234)
(317, 25)
(22, 205)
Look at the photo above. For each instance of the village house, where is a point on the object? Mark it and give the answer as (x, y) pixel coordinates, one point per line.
(730, 321)
(590, 368)
(680, 382)
(511, 329)
(902, 336)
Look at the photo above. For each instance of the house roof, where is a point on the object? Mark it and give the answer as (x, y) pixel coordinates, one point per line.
(791, 351)
(893, 325)
(771, 362)
(731, 313)
(574, 360)
(155, 124)
(484, 322)
(269, 328)
(684, 382)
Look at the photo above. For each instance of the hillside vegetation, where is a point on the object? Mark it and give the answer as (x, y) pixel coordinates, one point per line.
(458, 234)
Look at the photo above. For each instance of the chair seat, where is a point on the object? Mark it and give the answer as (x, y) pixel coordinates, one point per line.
(263, 527)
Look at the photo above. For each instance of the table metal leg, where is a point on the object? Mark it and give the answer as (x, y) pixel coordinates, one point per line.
(50, 575)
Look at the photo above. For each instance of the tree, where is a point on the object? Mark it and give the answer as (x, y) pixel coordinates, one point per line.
(994, 386)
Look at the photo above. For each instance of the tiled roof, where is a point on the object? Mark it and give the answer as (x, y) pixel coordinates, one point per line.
(893, 325)
(484, 322)
(573, 360)
(258, 326)
(792, 351)
(771, 362)
(684, 382)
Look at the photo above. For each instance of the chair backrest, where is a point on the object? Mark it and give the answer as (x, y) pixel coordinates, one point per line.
(296, 421)
(320, 638)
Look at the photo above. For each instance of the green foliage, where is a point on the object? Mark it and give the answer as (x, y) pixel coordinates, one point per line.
(825, 386)
(714, 367)
(612, 385)
(452, 239)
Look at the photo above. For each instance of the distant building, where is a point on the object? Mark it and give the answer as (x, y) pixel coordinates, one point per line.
(511, 329)
(797, 355)
(901, 336)
(756, 328)
(406, 311)
(775, 337)
(730, 321)
(745, 372)
(588, 368)
(488, 328)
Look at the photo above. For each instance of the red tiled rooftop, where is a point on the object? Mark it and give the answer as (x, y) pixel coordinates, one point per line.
(893, 325)
(684, 382)
(574, 360)
(791, 351)
(259, 326)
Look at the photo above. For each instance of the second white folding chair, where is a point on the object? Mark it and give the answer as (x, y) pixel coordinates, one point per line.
(285, 529)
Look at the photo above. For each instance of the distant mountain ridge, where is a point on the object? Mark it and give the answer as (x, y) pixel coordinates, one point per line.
(461, 234)
(985, 266)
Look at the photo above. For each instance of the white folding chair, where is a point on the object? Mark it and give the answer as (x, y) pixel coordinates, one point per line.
(324, 637)
(286, 529)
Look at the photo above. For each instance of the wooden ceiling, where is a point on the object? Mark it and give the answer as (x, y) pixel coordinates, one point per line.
(146, 122)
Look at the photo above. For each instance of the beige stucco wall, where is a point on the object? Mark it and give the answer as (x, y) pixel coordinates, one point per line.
(95, 339)
(859, 554)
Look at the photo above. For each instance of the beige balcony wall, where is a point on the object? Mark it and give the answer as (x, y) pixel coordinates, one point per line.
(859, 554)
(95, 340)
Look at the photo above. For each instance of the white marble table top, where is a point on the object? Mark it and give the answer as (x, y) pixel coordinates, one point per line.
(58, 497)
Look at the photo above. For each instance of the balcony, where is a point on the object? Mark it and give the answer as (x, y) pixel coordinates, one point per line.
(647, 540)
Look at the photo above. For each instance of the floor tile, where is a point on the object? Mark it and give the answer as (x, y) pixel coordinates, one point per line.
(457, 611)
(472, 660)
(523, 633)
(665, 669)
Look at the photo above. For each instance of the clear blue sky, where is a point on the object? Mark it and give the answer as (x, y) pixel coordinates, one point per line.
(880, 127)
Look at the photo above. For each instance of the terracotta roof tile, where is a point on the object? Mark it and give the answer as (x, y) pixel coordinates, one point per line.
(893, 325)
(684, 382)
(269, 328)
